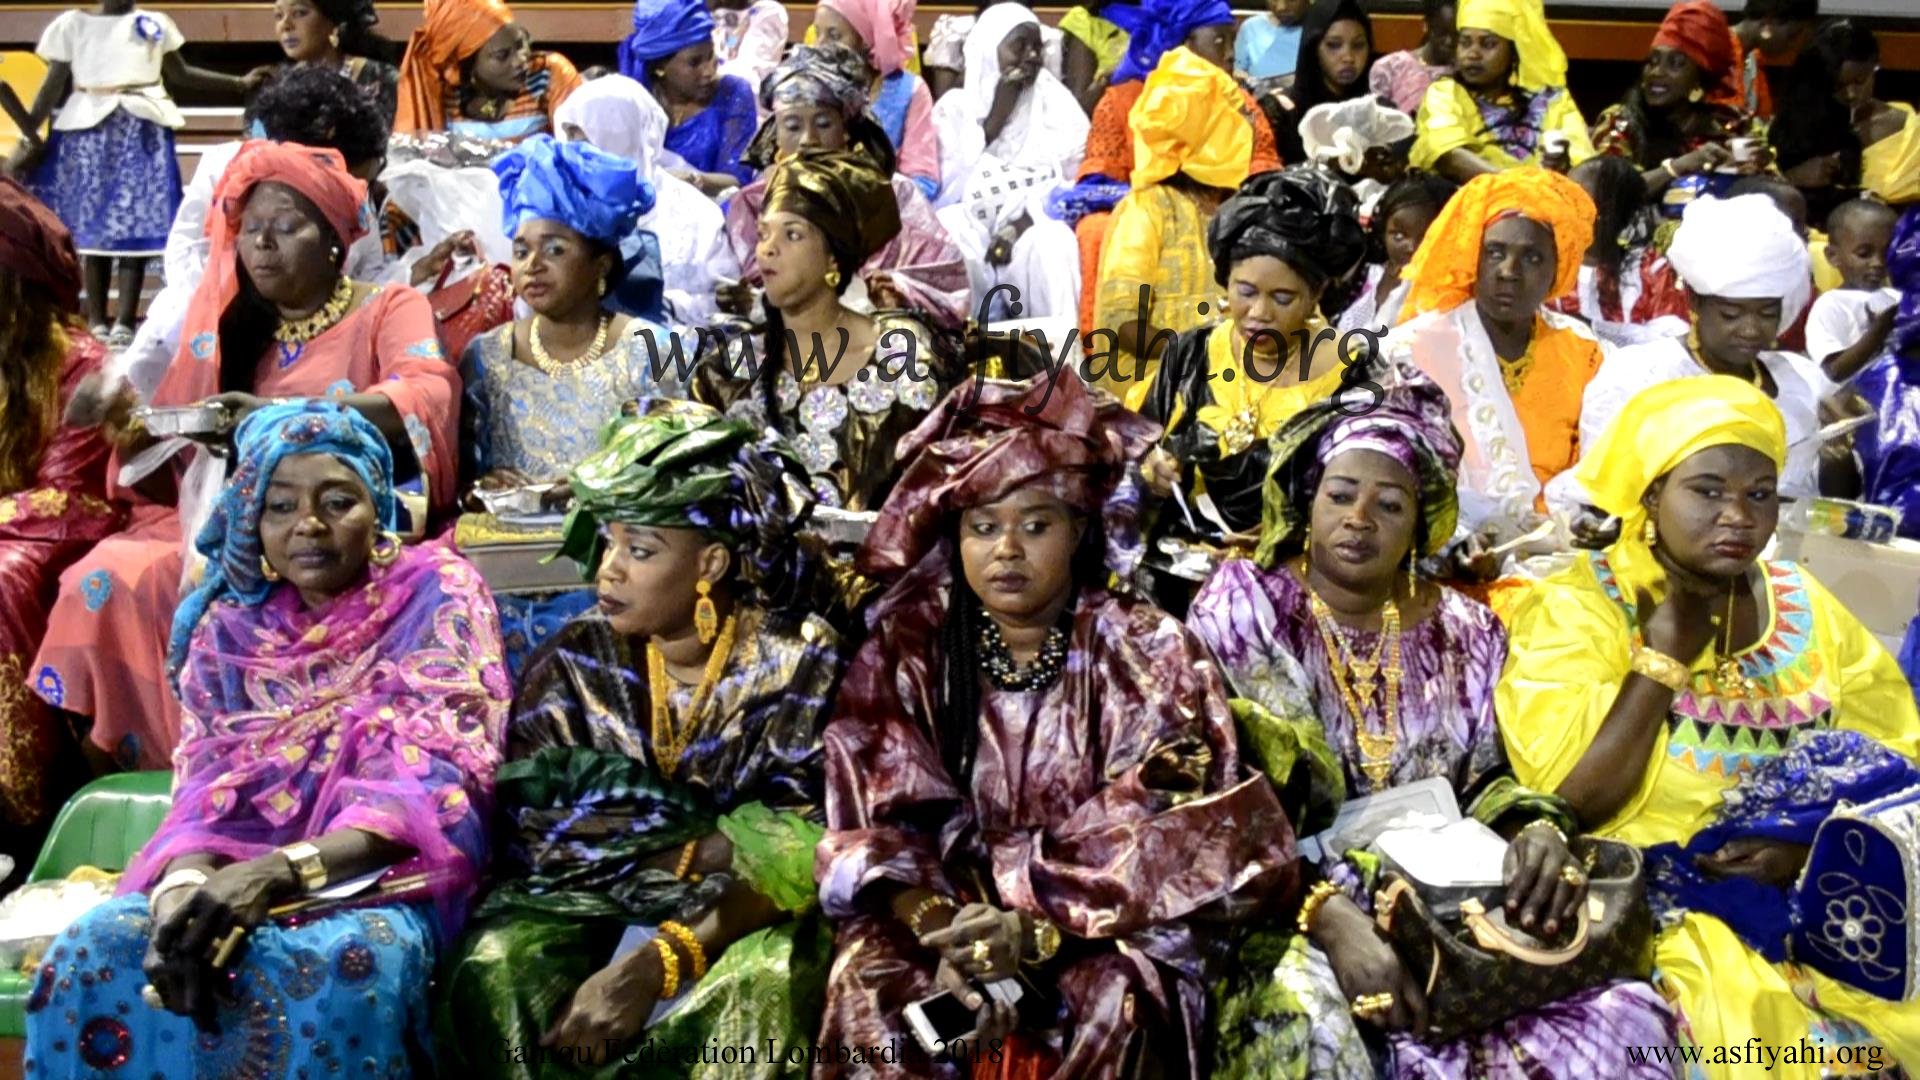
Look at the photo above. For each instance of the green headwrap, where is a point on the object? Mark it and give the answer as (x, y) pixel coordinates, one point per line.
(682, 465)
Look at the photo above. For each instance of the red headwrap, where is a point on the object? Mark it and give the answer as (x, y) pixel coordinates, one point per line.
(1699, 29)
(36, 246)
(449, 32)
(320, 176)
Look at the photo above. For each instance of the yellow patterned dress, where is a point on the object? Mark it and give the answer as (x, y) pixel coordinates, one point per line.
(1817, 667)
(1158, 239)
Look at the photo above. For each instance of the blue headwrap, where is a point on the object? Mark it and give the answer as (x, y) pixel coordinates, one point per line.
(1157, 26)
(660, 29)
(595, 194)
(1903, 272)
(231, 539)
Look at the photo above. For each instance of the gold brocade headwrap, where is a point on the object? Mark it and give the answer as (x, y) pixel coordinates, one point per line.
(1190, 118)
(1538, 60)
(1665, 425)
(842, 195)
(1444, 269)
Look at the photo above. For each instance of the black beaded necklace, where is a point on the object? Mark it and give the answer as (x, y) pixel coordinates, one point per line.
(1006, 674)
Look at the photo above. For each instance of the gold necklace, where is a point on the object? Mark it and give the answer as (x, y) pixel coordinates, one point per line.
(669, 743)
(1727, 671)
(545, 361)
(1376, 748)
(301, 331)
(1700, 357)
(1514, 372)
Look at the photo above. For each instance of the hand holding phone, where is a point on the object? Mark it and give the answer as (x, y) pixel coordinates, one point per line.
(963, 1016)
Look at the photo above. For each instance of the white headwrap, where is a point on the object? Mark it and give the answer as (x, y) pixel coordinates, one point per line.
(1048, 128)
(1743, 248)
(620, 117)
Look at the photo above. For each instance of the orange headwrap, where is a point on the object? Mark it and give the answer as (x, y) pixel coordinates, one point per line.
(321, 177)
(1699, 29)
(450, 31)
(1444, 269)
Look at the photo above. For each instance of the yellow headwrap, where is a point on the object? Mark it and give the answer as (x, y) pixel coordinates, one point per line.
(1665, 425)
(1190, 118)
(1447, 264)
(1538, 59)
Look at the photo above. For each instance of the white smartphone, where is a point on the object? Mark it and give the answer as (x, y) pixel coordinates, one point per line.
(940, 1021)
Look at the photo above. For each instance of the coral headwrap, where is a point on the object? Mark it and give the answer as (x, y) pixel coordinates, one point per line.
(1699, 29)
(1444, 269)
(1190, 118)
(1665, 425)
(450, 31)
(885, 25)
(321, 177)
(35, 245)
(1539, 61)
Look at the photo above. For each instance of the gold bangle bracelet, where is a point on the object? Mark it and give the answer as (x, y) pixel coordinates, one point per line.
(1046, 941)
(1321, 892)
(690, 943)
(1661, 668)
(1543, 823)
(669, 967)
(921, 909)
(686, 861)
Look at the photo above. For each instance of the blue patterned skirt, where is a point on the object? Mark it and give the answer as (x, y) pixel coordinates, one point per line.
(345, 994)
(116, 185)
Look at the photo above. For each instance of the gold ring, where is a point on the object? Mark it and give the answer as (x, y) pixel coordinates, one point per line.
(223, 949)
(1571, 875)
(983, 954)
(151, 995)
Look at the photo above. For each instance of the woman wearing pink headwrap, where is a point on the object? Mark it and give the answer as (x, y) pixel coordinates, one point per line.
(276, 316)
(881, 32)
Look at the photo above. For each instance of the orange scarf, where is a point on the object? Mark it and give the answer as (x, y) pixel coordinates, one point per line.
(451, 31)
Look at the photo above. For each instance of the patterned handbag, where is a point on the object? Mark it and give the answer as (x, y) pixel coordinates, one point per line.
(470, 307)
(1853, 905)
(1478, 972)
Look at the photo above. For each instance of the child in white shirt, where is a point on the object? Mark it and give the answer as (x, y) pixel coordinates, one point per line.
(1848, 326)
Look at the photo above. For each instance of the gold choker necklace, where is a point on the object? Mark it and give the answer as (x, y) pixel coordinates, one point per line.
(545, 361)
(301, 331)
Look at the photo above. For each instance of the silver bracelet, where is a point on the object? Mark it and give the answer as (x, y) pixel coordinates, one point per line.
(184, 876)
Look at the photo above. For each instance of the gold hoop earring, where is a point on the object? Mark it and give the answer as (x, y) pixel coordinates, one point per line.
(833, 278)
(386, 548)
(1649, 534)
(706, 618)
(267, 571)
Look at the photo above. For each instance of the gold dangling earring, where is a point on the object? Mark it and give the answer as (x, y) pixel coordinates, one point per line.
(600, 287)
(1696, 94)
(267, 571)
(833, 278)
(1649, 535)
(706, 618)
(334, 37)
(385, 549)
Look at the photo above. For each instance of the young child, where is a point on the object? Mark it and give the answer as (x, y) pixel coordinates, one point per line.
(1403, 77)
(1267, 44)
(1848, 326)
(109, 169)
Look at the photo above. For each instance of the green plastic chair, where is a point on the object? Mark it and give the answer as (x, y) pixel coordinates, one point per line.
(105, 824)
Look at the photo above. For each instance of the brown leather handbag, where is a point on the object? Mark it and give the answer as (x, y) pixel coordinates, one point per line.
(1478, 972)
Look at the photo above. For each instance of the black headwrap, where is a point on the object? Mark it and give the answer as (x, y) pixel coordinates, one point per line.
(1301, 216)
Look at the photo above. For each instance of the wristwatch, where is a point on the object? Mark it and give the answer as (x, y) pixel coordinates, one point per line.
(307, 866)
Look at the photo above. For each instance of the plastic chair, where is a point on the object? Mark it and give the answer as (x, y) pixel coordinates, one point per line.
(105, 824)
